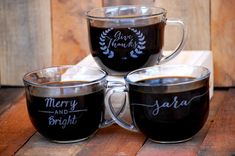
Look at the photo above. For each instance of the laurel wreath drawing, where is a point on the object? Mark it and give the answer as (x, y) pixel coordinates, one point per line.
(104, 48)
(134, 53)
(140, 46)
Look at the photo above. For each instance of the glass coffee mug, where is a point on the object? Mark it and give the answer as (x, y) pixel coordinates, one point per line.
(168, 104)
(128, 37)
(66, 103)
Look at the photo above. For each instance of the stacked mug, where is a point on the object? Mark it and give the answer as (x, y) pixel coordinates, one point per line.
(168, 103)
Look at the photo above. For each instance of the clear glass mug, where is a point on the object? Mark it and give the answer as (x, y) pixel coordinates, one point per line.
(128, 37)
(168, 104)
(66, 103)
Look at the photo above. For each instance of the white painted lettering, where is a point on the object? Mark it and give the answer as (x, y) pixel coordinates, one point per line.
(175, 103)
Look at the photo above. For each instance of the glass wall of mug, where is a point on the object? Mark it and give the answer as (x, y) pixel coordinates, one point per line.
(168, 104)
(66, 103)
(128, 37)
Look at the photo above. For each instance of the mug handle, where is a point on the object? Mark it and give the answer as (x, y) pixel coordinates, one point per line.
(107, 122)
(180, 46)
(121, 89)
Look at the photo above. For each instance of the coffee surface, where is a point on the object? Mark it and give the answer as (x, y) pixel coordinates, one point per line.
(166, 80)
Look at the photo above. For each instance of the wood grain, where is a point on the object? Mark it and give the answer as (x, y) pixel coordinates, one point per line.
(8, 97)
(69, 30)
(189, 148)
(113, 140)
(220, 139)
(223, 41)
(39, 146)
(25, 38)
(16, 128)
(108, 141)
(196, 15)
(127, 2)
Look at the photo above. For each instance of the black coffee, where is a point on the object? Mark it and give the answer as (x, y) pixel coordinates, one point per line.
(126, 49)
(166, 80)
(66, 118)
(171, 116)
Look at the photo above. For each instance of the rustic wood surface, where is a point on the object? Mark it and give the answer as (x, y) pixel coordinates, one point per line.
(8, 97)
(15, 129)
(223, 41)
(221, 136)
(127, 2)
(196, 15)
(105, 142)
(25, 38)
(18, 137)
(69, 30)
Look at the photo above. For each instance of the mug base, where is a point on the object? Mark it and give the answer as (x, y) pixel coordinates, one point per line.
(69, 141)
(171, 142)
(73, 141)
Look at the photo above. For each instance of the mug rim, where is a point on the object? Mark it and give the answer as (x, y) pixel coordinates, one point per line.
(74, 85)
(96, 17)
(197, 79)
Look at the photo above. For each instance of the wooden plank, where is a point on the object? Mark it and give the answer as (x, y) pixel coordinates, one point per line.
(16, 128)
(25, 38)
(8, 97)
(196, 14)
(108, 141)
(222, 37)
(39, 146)
(69, 30)
(220, 139)
(113, 140)
(127, 2)
(190, 147)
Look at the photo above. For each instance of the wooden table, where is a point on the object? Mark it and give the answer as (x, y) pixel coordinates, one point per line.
(18, 137)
